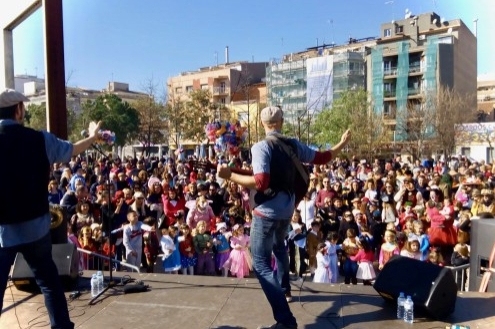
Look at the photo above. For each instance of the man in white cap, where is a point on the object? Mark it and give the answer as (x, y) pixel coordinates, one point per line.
(273, 176)
(25, 228)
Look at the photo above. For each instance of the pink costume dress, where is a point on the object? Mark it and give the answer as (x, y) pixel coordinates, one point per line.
(365, 264)
(240, 261)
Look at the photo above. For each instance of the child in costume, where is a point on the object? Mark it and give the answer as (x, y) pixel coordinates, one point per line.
(323, 273)
(388, 249)
(133, 238)
(188, 258)
(221, 242)
(332, 247)
(170, 247)
(240, 261)
(365, 258)
(203, 245)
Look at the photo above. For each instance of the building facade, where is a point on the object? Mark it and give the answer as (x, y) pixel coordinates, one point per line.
(237, 89)
(413, 58)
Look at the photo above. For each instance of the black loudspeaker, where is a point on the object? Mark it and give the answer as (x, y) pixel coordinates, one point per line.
(66, 259)
(58, 227)
(431, 287)
(482, 242)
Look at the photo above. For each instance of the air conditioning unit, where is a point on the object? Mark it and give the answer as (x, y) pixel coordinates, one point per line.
(422, 37)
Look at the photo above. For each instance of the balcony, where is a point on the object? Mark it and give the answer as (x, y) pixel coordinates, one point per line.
(389, 93)
(413, 91)
(415, 68)
(220, 90)
(390, 71)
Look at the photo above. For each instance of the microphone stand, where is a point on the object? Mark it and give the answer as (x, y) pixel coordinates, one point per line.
(111, 283)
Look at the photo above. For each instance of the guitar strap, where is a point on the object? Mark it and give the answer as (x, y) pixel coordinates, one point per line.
(291, 154)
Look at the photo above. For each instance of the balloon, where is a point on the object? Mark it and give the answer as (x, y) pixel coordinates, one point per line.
(221, 131)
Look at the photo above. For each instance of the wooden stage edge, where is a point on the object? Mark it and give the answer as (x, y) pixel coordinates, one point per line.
(179, 301)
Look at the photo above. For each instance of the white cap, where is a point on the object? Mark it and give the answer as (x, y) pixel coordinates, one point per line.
(10, 97)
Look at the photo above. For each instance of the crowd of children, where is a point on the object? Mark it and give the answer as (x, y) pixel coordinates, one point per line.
(354, 218)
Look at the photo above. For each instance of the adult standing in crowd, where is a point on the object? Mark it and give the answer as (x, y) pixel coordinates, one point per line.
(273, 174)
(27, 229)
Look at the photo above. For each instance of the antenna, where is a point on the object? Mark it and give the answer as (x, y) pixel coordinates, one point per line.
(391, 2)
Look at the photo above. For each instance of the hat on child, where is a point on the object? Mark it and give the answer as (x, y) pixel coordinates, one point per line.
(221, 226)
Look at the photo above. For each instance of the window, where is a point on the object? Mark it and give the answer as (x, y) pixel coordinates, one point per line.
(387, 32)
(489, 154)
(178, 90)
(204, 86)
(399, 29)
(466, 151)
(189, 89)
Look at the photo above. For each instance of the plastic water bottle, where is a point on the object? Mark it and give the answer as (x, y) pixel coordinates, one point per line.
(94, 285)
(400, 306)
(409, 310)
(99, 275)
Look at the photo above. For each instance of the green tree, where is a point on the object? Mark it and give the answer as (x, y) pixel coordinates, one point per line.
(117, 116)
(198, 111)
(36, 116)
(152, 116)
(352, 110)
(176, 119)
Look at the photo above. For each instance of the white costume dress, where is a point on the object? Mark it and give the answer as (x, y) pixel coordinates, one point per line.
(322, 272)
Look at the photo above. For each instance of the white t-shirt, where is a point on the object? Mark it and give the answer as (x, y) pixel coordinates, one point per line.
(307, 209)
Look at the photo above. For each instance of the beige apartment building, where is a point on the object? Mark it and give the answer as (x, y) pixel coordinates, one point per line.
(237, 88)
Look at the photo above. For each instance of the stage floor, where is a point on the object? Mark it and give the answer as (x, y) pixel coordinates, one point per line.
(177, 301)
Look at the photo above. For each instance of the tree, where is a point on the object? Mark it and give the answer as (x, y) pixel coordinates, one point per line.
(152, 118)
(36, 116)
(452, 110)
(430, 124)
(351, 110)
(117, 116)
(198, 111)
(153, 127)
(414, 126)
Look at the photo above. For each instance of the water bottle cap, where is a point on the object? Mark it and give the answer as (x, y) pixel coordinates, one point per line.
(401, 294)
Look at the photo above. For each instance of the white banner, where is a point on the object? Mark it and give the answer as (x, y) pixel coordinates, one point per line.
(319, 74)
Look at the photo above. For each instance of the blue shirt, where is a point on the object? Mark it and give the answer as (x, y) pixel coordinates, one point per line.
(282, 205)
(57, 150)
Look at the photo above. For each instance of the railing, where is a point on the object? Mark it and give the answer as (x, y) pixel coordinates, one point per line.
(414, 68)
(90, 260)
(390, 71)
(389, 93)
(413, 91)
(460, 274)
(220, 90)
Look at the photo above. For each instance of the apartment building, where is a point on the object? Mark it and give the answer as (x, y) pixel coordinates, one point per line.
(414, 57)
(224, 81)
(304, 83)
(237, 88)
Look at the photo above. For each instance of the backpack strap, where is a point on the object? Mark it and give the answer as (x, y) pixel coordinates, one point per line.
(291, 154)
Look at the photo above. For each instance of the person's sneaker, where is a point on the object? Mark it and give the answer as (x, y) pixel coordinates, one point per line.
(278, 326)
(288, 297)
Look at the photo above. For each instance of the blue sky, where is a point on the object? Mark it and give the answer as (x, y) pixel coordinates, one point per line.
(135, 41)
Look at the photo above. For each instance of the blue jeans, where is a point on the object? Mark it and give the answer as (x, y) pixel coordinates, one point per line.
(268, 235)
(38, 255)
